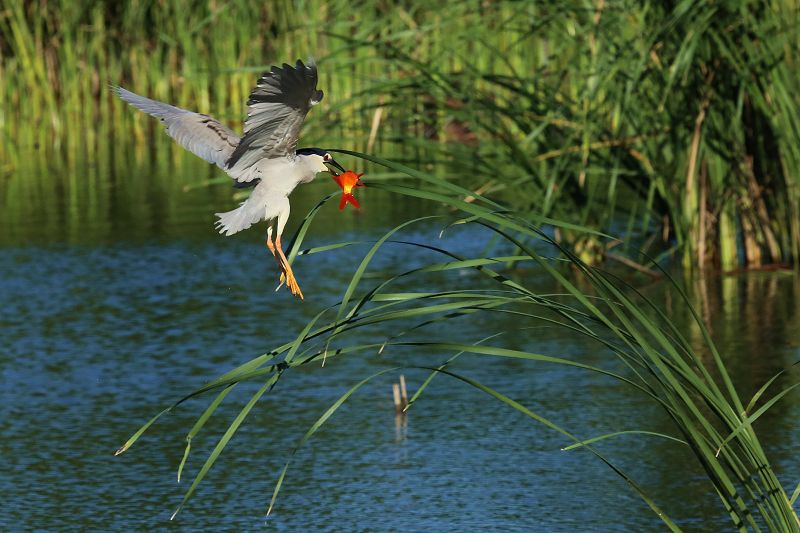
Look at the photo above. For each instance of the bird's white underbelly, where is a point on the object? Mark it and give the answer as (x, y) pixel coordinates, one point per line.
(280, 175)
(269, 200)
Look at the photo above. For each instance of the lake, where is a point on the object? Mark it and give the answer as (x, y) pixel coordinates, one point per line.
(117, 297)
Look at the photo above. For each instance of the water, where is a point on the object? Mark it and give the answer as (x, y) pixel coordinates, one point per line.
(120, 298)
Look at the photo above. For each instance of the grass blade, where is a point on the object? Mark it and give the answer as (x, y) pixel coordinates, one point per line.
(313, 429)
(268, 384)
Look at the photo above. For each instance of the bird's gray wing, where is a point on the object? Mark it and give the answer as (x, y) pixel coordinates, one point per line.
(202, 135)
(276, 110)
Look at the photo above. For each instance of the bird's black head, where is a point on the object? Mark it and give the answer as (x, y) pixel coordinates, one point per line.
(327, 158)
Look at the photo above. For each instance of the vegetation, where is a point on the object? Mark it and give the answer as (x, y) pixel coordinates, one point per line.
(646, 351)
(676, 121)
(671, 124)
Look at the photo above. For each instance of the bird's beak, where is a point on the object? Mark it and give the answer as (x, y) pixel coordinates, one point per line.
(335, 165)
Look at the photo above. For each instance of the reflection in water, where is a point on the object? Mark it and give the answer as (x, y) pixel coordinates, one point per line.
(754, 314)
(151, 191)
(117, 297)
(400, 427)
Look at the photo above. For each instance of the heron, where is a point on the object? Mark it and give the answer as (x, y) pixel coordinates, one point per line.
(265, 158)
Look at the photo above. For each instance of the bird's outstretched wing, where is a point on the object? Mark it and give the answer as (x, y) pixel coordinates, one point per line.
(276, 110)
(202, 135)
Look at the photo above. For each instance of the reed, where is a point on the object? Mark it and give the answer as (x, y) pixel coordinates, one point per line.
(677, 121)
(686, 379)
(673, 125)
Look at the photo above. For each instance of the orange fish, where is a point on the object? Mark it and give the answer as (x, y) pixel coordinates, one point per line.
(348, 181)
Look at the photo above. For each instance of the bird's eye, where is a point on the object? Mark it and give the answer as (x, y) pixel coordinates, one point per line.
(326, 157)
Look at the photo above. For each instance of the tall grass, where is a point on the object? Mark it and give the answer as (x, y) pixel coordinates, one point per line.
(676, 121)
(58, 57)
(674, 124)
(645, 350)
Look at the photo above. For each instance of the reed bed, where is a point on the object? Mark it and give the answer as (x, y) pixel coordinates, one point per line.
(672, 125)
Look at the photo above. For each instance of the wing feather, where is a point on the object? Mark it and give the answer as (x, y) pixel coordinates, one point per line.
(202, 135)
(277, 108)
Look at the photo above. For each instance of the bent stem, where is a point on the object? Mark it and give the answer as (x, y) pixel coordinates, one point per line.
(654, 356)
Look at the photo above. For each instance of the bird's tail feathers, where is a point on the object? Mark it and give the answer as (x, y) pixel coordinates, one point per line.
(239, 219)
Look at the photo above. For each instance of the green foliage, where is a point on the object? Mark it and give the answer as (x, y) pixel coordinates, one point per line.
(646, 351)
(673, 124)
(675, 120)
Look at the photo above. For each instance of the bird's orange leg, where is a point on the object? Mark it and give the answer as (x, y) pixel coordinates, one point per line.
(291, 281)
(271, 248)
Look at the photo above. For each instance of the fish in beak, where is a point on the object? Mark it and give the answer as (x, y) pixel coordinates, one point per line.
(348, 180)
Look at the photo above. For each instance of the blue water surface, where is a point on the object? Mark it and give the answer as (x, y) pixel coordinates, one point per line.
(101, 332)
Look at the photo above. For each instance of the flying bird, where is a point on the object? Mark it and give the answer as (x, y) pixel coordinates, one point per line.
(265, 158)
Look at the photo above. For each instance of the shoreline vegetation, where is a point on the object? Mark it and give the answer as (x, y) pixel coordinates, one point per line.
(673, 126)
